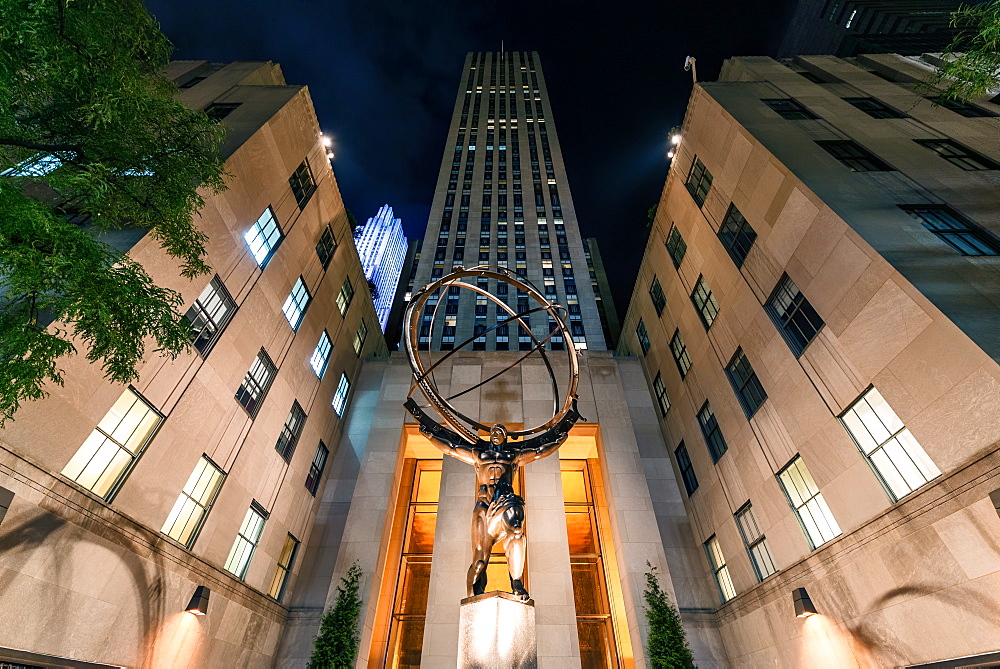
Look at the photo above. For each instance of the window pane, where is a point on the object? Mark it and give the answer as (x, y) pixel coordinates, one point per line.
(194, 502)
(263, 237)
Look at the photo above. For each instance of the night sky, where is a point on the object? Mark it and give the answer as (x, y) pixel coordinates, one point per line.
(384, 75)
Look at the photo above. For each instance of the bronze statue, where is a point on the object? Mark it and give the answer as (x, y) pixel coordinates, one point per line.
(499, 512)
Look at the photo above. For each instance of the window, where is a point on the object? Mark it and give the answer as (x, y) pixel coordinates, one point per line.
(263, 237)
(958, 155)
(745, 383)
(296, 304)
(719, 569)
(854, 156)
(193, 81)
(717, 446)
(794, 316)
(291, 432)
(321, 355)
(285, 563)
(326, 247)
(359, 338)
(955, 230)
(680, 353)
(661, 394)
(256, 383)
(789, 109)
(641, 334)
(656, 294)
(217, 111)
(193, 504)
(345, 296)
(704, 303)
(302, 184)
(753, 539)
(736, 235)
(698, 182)
(316, 468)
(686, 469)
(340, 397)
(963, 108)
(897, 458)
(246, 541)
(108, 454)
(875, 108)
(676, 246)
(209, 315)
(807, 501)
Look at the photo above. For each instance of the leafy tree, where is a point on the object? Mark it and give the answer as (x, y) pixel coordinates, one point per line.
(336, 646)
(668, 648)
(651, 215)
(92, 140)
(972, 60)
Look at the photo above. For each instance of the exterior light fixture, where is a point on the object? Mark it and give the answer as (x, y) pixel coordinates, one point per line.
(994, 496)
(6, 497)
(326, 140)
(670, 154)
(803, 605)
(675, 140)
(199, 602)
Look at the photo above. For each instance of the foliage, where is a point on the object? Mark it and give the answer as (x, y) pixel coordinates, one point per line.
(336, 646)
(668, 647)
(84, 93)
(972, 60)
(651, 215)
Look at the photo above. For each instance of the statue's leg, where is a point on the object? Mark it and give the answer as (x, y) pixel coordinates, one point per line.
(514, 547)
(482, 544)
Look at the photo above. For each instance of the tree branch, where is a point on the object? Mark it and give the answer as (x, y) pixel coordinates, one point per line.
(50, 148)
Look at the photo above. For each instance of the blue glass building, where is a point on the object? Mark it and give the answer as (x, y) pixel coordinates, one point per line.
(382, 247)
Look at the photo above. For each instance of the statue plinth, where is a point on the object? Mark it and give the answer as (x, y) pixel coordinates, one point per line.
(496, 630)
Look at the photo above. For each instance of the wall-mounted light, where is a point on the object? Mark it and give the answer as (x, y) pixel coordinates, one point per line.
(995, 496)
(803, 605)
(199, 602)
(6, 497)
(327, 141)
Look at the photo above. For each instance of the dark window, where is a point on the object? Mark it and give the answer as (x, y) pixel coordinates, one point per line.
(745, 383)
(687, 469)
(704, 303)
(640, 332)
(291, 432)
(256, 383)
(958, 155)
(680, 353)
(875, 108)
(316, 468)
(326, 246)
(193, 81)
(954, 230)
(209, 315)
(794, 316)
(661, 394)
(656, 294)
(699, 181)
(713, 435)
(812, 77)
(676, 246)
(789, 109)
(963, 108)
(854, 156)
(302, 184)
(220, 110)
(736, 235)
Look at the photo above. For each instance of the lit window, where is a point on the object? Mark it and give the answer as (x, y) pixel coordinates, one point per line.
(854, 156)
(699, 181)
(705, 303)
(296, 304)
(340, 397)
(789, 109)
(875, 108)
(290, 432)
(321, 355)
(345, 296)
(958, 155)
(756, 543)
(263, 237)
(302, 184)
(680, 353)
(954, 230)
(795, 317)
(359, 338)
(256, 383)
(193, 504)
(316, 468)
(246, 541)
(736, 235)
(686, 469)
(897, 458)
(657, 296)
(285, 563)
(209, 315)
(643, 336)
(326, 247)
(719, 569)
(661, 394)
(710, 429)
(814, 515)
(745, 383)
(108, 454)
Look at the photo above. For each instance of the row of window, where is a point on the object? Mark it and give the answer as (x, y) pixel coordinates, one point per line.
(793, 110)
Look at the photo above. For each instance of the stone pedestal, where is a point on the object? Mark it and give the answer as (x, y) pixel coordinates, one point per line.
(497, 631)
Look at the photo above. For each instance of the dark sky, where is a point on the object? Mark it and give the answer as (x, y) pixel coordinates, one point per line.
(384, 75)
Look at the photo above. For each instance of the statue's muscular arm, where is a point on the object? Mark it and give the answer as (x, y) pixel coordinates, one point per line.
(444, 439)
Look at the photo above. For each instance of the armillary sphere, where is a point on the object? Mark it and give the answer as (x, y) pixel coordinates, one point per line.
(423, 371)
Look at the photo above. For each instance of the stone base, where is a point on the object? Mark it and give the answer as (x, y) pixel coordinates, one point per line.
(497, 631)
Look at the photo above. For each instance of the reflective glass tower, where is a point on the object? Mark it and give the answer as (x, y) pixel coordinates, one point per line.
(502, 198)
(382, 248)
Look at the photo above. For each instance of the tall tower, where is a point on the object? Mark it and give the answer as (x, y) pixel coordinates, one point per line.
(382, 248)
(503, 198)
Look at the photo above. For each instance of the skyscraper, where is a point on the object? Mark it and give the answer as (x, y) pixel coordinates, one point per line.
(382, 248)
(502, 198)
